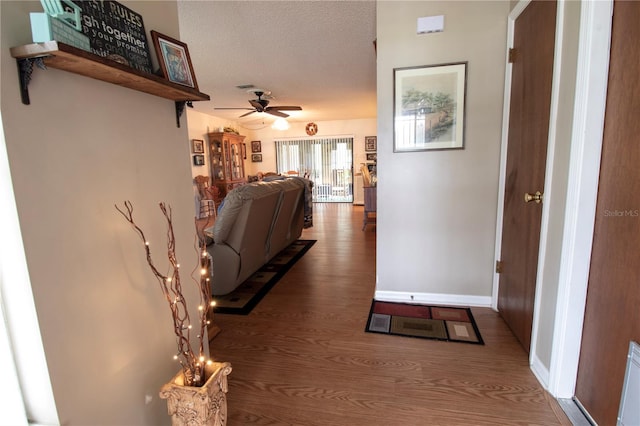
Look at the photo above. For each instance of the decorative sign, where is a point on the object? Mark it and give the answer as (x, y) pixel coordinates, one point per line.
(116, 32)
(311, 129)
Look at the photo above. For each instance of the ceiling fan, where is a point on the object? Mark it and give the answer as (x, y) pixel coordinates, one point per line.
(262, 105)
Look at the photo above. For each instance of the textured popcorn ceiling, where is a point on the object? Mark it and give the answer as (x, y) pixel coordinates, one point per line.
(315, 54)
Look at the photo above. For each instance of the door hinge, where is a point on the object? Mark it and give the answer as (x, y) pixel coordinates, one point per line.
(513, 55)
(499, 266)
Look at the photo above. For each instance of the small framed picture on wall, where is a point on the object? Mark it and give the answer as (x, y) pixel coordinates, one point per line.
(372, 157)
(256, 158)
(198, 160)
(197, 146)
(256, 146)
(370, 143)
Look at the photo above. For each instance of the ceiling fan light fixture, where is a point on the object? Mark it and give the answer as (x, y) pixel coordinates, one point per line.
(280, 124)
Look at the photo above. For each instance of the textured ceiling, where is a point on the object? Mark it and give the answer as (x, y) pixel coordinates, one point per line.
(315, 54)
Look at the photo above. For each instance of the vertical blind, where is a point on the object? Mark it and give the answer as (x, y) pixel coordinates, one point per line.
(328, 162)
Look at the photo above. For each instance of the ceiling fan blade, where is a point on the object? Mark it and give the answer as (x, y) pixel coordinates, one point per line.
(276, 113)
(248, 113)
(236, 108)
(256, 104)
(285, 108)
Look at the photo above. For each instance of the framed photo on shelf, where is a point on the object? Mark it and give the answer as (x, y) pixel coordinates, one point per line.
(256, 146)
(198, 160)
(174, 60)
(197, 146)
(256, 158)
(372, 157)
(429, 107)
(370, 143)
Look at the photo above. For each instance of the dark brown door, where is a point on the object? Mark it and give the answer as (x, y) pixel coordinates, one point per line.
(532, 71)
(612, 314)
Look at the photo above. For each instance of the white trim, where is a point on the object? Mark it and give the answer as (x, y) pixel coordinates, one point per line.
(18, 307)
(518, 9)
(13, 412)
(548, 178)
(540, 371)
(436, 298)
(582, 189)
(506, 105)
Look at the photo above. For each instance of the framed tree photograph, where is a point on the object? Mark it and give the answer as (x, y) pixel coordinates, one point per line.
(256, 158)
(429, 107)
(174, 60)
(256, 146)
(197, 146)
(370, 143)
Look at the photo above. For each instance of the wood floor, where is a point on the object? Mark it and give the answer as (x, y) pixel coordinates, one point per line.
(301, 357)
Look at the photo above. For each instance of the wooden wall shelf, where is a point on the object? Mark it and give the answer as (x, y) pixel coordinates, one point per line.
(58, 55)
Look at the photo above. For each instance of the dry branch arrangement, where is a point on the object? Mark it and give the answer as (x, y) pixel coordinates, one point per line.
(193, 365)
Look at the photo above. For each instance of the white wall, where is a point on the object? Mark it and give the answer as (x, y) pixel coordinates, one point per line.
(81, 146)
(446, 200)
(199, 125)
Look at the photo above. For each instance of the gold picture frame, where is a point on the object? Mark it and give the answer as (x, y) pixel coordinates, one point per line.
(197, 146)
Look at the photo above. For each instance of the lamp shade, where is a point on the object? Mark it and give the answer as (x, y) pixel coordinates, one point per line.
(280, 124)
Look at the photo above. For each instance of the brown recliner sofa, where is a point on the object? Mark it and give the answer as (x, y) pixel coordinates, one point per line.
(255, 223)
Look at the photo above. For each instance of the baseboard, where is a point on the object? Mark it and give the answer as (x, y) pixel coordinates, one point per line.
(540, 371)
(433, 298)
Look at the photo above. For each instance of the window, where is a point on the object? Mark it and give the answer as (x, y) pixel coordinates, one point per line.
(328, 162)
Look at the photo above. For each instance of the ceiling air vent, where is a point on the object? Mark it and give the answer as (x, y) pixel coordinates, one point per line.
(246, 86)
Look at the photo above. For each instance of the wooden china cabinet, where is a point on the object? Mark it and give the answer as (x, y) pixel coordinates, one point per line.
(226, 159)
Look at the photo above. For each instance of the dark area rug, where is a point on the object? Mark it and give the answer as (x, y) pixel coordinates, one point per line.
(448, 323)
(247, 295)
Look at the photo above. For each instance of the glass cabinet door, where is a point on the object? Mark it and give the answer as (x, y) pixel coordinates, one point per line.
(215, 157)
(227, 159)
(236, 161)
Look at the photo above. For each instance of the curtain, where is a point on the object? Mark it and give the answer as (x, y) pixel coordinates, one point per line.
(328, 162)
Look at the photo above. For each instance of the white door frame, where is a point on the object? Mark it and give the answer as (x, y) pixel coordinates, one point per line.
(582, 190)
(582, 187)
(541, 373)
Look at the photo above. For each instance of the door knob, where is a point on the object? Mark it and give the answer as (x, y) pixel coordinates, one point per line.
(537, 197)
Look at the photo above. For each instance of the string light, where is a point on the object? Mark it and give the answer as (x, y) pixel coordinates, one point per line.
(212, 303)
(193, 370)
